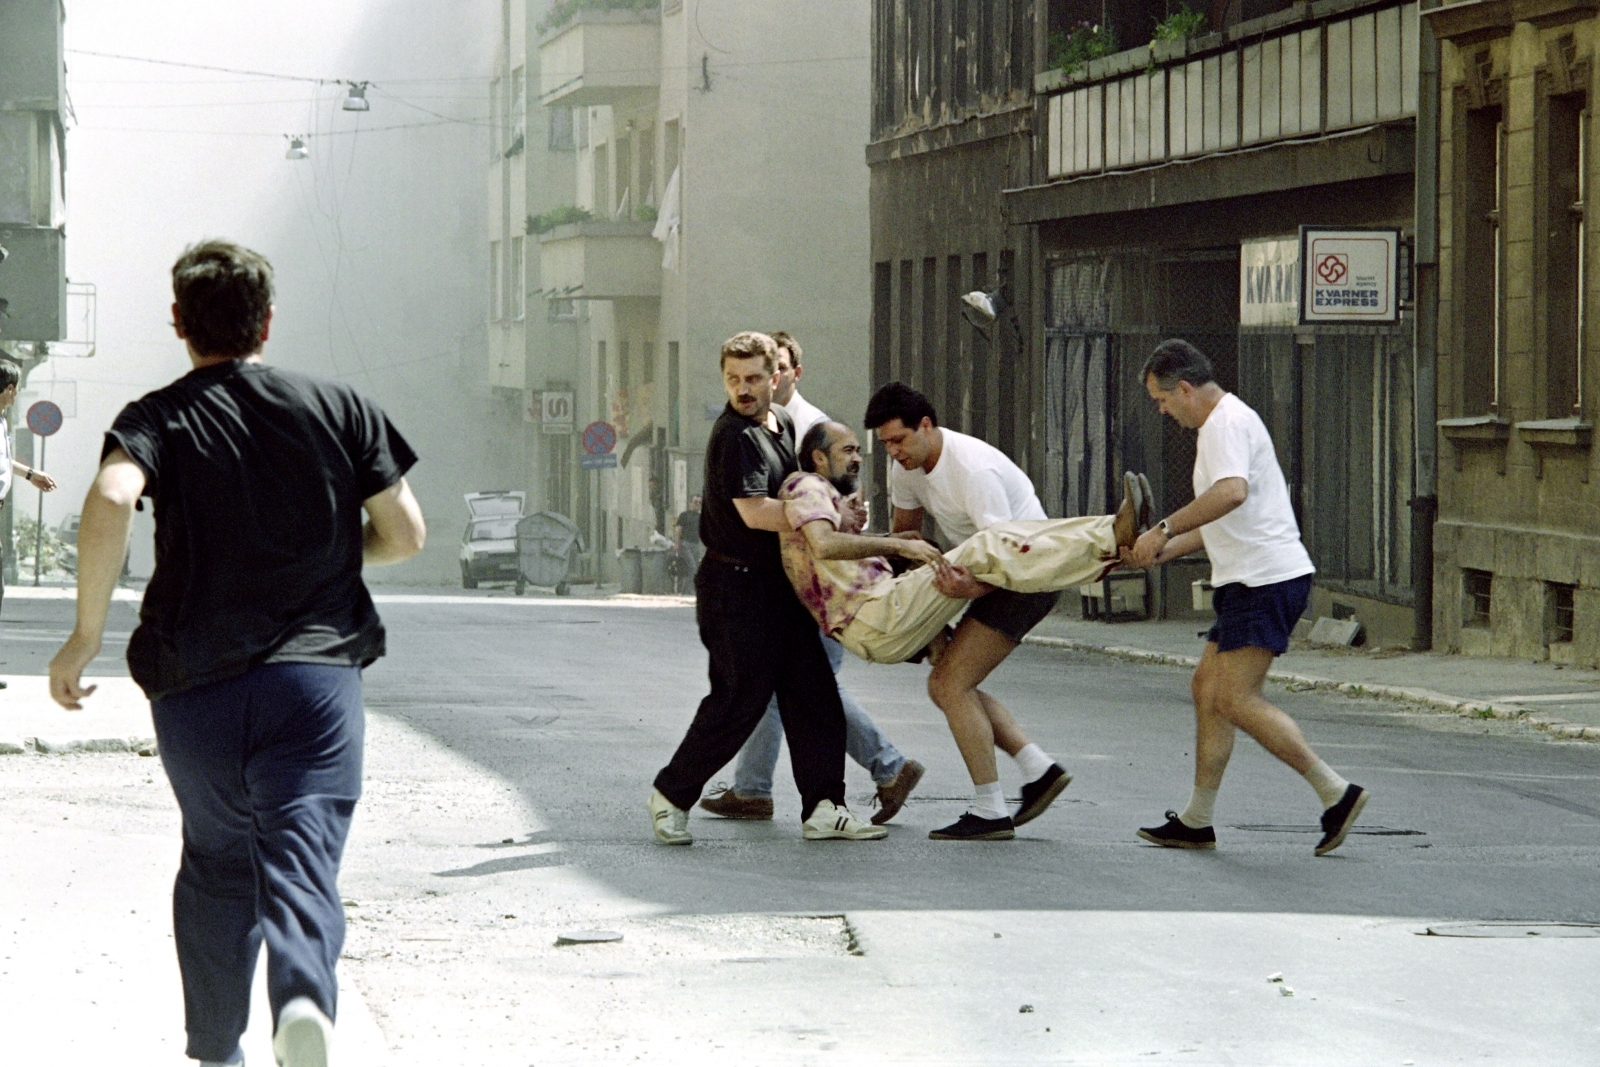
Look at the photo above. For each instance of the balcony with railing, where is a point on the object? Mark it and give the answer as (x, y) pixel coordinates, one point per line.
(600, 260)
(601, 57)
(1306, 72)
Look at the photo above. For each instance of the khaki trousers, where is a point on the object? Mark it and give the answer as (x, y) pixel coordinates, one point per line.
(903, 614)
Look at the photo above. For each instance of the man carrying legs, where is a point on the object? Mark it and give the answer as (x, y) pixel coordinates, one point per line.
(250, 644)
(893, 774)
(760, 639)
(1261, 573)
(967, 485)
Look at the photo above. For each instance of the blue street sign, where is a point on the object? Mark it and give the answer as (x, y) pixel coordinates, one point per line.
(600, 462)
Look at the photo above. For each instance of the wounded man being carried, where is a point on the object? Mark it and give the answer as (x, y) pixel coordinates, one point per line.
(845, 581)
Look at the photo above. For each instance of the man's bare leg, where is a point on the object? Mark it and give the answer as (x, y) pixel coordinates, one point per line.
(979, 723)
(1227, 697)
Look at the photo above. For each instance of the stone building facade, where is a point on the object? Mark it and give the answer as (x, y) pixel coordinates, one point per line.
(1517, 556)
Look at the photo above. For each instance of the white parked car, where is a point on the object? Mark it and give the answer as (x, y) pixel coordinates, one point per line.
(489, 544)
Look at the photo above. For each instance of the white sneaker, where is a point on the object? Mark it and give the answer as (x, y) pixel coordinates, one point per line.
(830, 822)
(670, 821)
(304, 1035)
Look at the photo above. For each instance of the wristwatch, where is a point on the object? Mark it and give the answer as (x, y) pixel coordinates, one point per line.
(1166, 530)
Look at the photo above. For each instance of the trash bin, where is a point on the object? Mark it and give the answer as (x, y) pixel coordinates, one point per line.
(655, 575)
(545, 546)
(632, 570)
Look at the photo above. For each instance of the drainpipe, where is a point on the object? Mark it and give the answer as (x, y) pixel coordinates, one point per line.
(1425, 502)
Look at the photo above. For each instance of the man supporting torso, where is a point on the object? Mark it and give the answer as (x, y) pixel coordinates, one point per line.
(251, 640)
(967, 485)
(759, 638)
(751, 794)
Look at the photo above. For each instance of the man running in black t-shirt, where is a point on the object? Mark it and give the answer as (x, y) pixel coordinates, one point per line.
(250, 644)
(761, 639)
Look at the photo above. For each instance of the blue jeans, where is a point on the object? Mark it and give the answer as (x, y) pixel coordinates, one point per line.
(266, 768)
(865, 743)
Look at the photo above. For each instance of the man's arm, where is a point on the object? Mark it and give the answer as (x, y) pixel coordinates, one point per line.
(394, 530)
(907, 519)
(102, 546)
(1225, 495)
(33, 476)
(829, 543)
(762, 513)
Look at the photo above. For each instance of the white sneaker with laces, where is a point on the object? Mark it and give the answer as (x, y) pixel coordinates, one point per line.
(671, 822)
(304, 1035)
(830, 822)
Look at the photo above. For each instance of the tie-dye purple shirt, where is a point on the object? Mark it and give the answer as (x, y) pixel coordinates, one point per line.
(833, 590)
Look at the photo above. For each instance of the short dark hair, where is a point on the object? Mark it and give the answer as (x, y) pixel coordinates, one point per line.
(224, 294)
(751, 345)
(897, 400)
(1175, 361)
(785, 339)
(817, 439)
(10, 374)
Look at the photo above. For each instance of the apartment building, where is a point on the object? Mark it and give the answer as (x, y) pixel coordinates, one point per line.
(701, 175)
(1517, 559)
(1119, 176)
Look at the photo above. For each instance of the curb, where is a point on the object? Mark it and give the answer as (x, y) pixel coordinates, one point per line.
(1472, 709)
(44, 746)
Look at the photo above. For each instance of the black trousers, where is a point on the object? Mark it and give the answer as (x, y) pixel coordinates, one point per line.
(762, 641)
(267, 770)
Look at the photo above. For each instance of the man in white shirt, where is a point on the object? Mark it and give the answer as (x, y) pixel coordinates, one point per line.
(967, 485)
(10, 380)
(1261, 574)
(750, 796)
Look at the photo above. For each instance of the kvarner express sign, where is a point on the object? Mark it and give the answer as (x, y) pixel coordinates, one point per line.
(1348, 275)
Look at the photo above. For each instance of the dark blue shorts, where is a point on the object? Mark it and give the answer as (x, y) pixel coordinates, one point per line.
(1262, 616)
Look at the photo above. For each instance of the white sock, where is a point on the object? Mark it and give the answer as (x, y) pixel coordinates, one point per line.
(989, 802)
(1202, 803)
(1326, 781)
(1033, 762)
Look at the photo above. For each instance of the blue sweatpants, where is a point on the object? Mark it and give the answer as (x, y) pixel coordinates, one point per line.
(266, 768)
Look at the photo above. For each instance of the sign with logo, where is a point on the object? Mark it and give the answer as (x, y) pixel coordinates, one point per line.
(556, 412)
(44, 418)
(1269, 282)
(599, 438)
(1349, 275)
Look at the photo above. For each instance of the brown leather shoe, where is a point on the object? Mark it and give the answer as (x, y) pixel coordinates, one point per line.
(1125, 523)
(1147, 513)
(731, 805)
(893, 793)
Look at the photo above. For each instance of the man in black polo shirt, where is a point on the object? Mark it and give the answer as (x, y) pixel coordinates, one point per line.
(760, 638)
(250, 644)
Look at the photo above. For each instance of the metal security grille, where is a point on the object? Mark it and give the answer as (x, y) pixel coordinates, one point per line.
(1079, 398)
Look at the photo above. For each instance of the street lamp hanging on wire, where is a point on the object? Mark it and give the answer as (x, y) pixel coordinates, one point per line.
(357, 98)
(297, 148)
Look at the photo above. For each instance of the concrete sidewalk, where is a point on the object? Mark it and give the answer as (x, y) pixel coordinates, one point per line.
(1563, 701)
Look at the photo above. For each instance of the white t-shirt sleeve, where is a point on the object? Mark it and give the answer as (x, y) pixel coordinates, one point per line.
(986, 500)
(1227, 452)
(902, 491)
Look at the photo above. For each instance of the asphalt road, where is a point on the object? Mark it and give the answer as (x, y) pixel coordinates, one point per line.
(579, 704)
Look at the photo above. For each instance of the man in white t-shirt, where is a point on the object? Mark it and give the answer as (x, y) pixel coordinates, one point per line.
(10, 380)
(967, 485)
(1261, 574)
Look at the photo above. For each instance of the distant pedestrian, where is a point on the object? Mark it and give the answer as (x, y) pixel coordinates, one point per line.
(750, 796)
(251, 640)
(10, 380)
(686, 538)
(1261, 575)
(966, 486)
(761, 640)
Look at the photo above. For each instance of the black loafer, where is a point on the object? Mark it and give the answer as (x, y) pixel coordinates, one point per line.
(972, 827)
(1037, 795)
(1174, 833)
(1337, 820)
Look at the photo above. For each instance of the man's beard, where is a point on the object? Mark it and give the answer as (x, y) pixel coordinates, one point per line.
(847, 483)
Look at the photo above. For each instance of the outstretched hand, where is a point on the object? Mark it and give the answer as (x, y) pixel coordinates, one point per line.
(920, 551)
(66, 671)
(958, 583)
